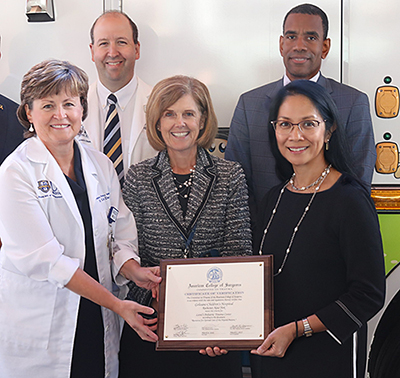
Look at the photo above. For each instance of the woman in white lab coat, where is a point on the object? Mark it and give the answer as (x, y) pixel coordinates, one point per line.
(60, 202)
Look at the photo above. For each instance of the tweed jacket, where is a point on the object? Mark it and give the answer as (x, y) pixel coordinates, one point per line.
(217, 213)
(248, 141)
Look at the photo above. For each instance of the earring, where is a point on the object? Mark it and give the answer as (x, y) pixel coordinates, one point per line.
(327, 145)
(31, 129)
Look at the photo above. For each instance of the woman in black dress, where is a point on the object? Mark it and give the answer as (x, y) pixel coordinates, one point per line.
(321, 227)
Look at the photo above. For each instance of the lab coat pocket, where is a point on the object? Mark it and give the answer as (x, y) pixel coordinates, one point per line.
(27, 308)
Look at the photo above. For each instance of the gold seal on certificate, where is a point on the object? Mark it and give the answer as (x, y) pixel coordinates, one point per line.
(224, 301)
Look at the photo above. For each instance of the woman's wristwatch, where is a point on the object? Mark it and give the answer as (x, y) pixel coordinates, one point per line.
(307, 328)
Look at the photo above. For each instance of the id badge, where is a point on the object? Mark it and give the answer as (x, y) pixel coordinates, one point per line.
(112, 217)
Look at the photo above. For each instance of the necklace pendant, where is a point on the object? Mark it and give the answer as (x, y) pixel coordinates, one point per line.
(318, 182)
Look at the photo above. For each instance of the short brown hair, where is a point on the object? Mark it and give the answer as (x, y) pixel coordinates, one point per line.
(167, 92)
(48, 78)
(135, 31)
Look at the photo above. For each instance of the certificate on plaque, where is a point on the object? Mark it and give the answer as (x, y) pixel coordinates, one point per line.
(224, 301)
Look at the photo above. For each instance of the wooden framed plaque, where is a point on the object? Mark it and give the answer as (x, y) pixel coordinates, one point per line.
(222, 301)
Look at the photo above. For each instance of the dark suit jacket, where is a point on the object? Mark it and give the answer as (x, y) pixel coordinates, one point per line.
(248, 141)
(11, 131)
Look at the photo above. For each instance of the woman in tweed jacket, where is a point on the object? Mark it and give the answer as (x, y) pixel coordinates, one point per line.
(186, 203)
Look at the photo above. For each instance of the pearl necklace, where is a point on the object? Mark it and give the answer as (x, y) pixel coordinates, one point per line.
(324, 176)
(183, 188)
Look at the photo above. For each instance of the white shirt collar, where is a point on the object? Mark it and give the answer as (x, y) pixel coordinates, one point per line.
(315, 78)
(123, 95)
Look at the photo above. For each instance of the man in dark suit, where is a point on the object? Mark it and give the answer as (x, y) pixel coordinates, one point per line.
(303, 45)
(11, 131)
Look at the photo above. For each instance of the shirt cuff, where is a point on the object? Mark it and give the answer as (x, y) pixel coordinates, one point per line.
(119, 259)
(63, 270)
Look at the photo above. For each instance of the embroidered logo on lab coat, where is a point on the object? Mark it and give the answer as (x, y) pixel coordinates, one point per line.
(44, 185)
(49, 189)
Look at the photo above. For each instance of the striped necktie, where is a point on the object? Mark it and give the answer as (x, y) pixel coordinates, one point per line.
(112, 137)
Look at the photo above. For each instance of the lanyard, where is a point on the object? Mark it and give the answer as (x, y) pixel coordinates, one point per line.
(188, 241)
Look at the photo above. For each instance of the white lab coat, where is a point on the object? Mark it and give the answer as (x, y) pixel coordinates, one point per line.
(43, 245)
(135, 141)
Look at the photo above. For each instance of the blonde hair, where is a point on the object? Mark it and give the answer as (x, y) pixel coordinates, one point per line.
(48, 78)
(166, 93)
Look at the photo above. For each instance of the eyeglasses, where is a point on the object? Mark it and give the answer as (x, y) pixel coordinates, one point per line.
(306, 127)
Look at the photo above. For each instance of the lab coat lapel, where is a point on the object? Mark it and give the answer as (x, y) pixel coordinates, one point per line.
(37, 151)
(92, 121)
(139, 116)
(90, 175)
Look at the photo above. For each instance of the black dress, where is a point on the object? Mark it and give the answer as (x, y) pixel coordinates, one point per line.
(145, 362)
(88, 352)
(334, 270)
